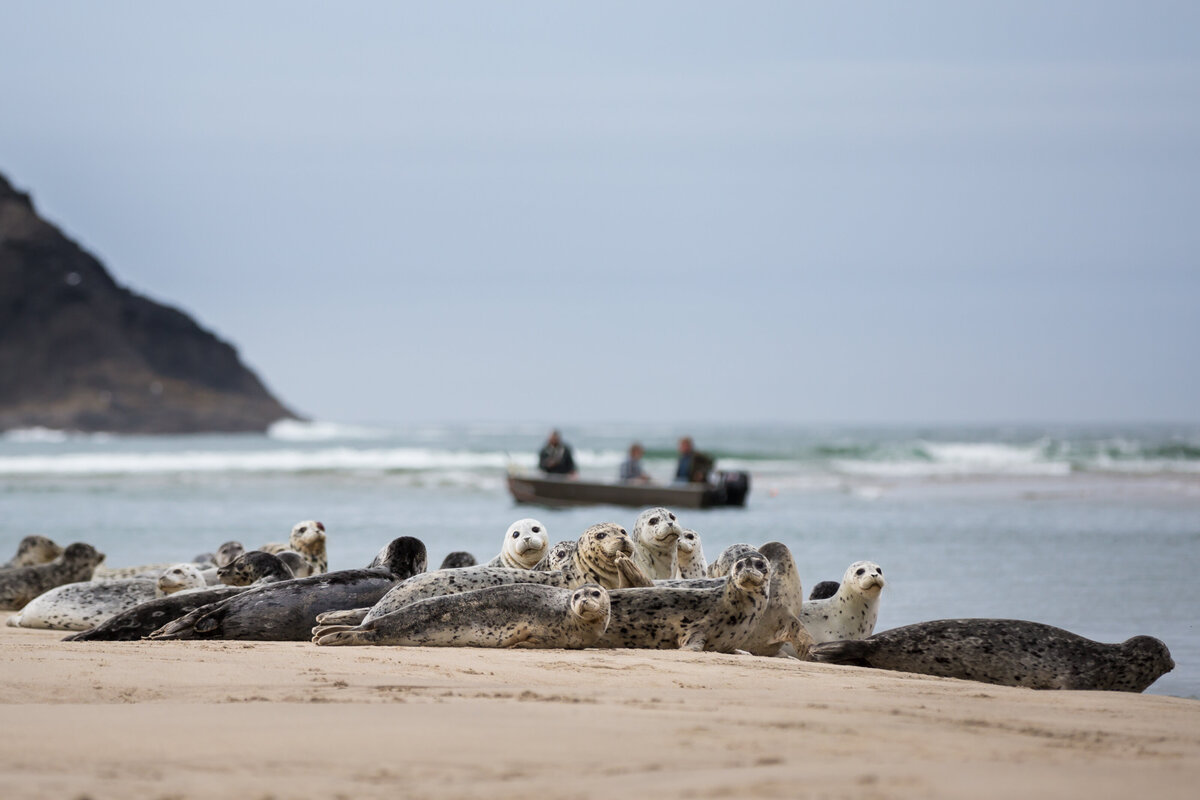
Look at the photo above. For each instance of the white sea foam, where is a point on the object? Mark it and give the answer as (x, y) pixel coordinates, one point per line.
(50, 436)
(293, 430)
(961, 459)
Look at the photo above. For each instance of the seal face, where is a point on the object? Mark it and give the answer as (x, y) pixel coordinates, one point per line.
(254, 567)
(227, 552)
(559, 556)
(21, 584)
(524, 546)
(691, 556)
(720, 568)
(512, 615)
(851, 612)
(457, 560)
(602, 556)
(180, 578)
(33, 550)
(287, 610)
(719, 618)
(655, 539)
(1007, 652)
(307, 539)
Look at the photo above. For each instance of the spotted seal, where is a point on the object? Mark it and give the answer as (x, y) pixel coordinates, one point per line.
(457, 560)
(144, 619)
(1008, 652)
(254, 566)
(227, 552)
(603, 555)
(524, 546)
(180, 578)
(655, 541)
(690, 556)
(780, 631)
(558, 556)
(513, 615)
(852, 611)
(287, 610)
(307, 539)
(20, 585)
(668, 618)
(726, 557)
(33, 550)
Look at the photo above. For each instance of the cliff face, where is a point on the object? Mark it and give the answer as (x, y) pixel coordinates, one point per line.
(79, 352)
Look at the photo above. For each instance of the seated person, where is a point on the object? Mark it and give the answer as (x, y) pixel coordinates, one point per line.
(555, 457)
(631, 468)
(693, 467)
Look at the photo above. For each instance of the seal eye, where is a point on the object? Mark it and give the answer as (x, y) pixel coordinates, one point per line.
(652, 521)
(623, 533)
(601, 535)
(536, 529)
(861, 571)
(879, 570)
(672, 516)
(516, 534)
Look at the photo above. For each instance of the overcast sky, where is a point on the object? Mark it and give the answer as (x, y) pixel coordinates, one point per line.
(804, 212)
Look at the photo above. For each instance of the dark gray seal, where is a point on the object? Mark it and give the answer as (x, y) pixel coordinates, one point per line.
(603, 555)
(287, 610)
(669, 618)
(142, 620)
(20, 585)
(457, 560)
(33, 550)
(824, 590)
(515, 615)
(1008, 652)
(255, 567)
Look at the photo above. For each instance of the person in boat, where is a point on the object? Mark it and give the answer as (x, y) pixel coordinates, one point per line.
(555, 457)
(631, 468)
(693, 466)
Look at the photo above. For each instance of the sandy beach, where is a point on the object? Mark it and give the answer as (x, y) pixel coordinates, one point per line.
(291, 720)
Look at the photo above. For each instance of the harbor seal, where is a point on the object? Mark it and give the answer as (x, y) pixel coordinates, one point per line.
(558, 556)
(824, 590)
(307, 539)
(227, 552)
(1008, 652)
(298, 565)
(720, 567)
(668, 618)
(524, 546)
(779, 631)
(457, 560)
(514, 615)
(33, 550)
(287, 610)
(690, 556)
(85, 604)
(655, 541)
(603, 555)
(144, 619)
(255, 567)
(20, 585)
(852, 611)
(180, 578)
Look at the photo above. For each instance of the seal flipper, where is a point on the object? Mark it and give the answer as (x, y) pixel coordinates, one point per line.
(693, 640)
(324, 630)
(631, 575)
(352, 617)
(353, 636)
(853, 652)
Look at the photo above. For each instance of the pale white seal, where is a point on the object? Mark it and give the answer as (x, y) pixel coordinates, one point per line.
(655, 542)
(525, 545)
(307, 539)
(851, 613)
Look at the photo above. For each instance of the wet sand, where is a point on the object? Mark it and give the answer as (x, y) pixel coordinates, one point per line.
(291, 720)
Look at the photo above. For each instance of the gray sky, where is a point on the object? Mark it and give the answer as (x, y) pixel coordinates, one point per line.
(806, 212)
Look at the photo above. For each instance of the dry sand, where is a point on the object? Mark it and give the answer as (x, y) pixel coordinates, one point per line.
(291, 720)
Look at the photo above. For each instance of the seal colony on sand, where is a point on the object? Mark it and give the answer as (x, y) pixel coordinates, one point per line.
(852, 611)
(690, 556)
(287, 610)
(668, 618)
(524, 547)
(602, 556)
(515, 615)
(655, 540)
(33, 550)
(20, 585)
(1008, 652)
(144, 619)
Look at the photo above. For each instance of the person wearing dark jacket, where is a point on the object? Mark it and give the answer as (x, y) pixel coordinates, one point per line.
(555, 457)
(693, 467)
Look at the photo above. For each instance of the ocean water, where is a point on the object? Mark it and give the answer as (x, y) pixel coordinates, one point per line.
(1096, 530)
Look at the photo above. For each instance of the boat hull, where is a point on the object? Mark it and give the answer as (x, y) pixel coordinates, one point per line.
(554, 491)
